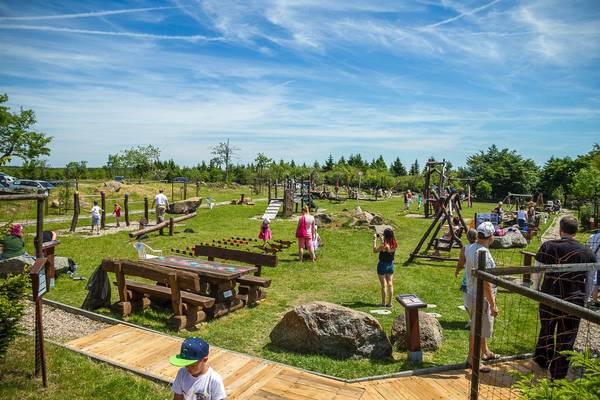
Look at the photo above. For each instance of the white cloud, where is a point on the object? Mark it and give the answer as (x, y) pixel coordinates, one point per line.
(84, 15)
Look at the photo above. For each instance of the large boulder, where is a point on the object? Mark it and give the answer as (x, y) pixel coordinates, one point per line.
(185, 206)
(55, 203)
(430, 329)
(377, 220)
(325, 328)
(362, 217)
(510, 240)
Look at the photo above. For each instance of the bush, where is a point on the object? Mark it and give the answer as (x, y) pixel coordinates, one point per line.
(586, 212)
(584, 388)
(12, 307)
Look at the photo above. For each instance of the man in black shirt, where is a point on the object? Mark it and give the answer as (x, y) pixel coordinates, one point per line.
(568, 286)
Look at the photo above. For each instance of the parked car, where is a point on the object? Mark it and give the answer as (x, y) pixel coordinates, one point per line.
(119, 178)
(6, 179)
(26, 185)
(180, 179)
(47, 185)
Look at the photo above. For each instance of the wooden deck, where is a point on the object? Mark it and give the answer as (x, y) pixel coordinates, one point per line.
(248, 377)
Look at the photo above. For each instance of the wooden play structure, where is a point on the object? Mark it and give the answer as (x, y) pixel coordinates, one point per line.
(513, 201)
(437, 186)
(446, 208)
(296, 192)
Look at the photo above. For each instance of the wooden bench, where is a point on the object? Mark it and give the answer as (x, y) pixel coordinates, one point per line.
(249, 289)
(256, 259)
(188, 308)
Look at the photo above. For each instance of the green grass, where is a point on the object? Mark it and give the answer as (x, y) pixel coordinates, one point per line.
(70, 376)
(344, 274)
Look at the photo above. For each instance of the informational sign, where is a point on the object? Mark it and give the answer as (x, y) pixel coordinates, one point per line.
(41, 282)
(227, 294)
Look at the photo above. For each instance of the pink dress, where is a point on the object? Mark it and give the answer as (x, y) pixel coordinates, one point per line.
(265, 232)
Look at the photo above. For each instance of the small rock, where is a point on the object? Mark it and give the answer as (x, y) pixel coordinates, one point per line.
(55, 204)
(185, 206)
(430, 329)
(113, 185)
(510, 240)
(323, 218)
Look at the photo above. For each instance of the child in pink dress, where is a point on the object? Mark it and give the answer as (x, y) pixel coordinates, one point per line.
(265, 231)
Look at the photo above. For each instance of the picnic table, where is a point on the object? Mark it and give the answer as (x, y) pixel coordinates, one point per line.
(218, 280)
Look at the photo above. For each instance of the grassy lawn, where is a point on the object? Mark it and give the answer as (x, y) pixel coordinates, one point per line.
(344, 274)
(70, 376)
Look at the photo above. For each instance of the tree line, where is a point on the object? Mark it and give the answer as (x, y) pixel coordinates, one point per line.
(495, 171)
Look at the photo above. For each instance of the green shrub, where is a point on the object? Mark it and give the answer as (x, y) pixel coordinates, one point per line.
(585, 388)
(12, 293)
(483, 190)
(586, 212)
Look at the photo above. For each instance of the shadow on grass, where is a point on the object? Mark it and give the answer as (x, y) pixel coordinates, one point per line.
(454, 325)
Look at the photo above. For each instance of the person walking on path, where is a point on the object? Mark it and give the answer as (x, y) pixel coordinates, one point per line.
(558, 330)
(305, 234)
(385, 265)
(161, 202)
(117, 213)
(196, 379)
(485, 237)
(96, 212)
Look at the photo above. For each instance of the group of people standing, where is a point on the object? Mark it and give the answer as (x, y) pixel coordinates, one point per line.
(410, 197)
(558, 330)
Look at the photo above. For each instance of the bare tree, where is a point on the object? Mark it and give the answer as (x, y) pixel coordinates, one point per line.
(223, 153)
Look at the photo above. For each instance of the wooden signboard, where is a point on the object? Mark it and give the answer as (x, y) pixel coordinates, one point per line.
(40, 284)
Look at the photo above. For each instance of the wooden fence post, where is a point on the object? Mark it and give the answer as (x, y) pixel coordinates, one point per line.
(171, 226)
(146, 208)
(197, 188)
(103, 206)
(185, 190)
(126, 205)
(75, 212)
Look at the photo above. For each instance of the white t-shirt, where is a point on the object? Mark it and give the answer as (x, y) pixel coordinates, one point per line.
(521, 214)
(208, 386)
(161, 200)
(310, 220)
(594, 244)
(471, 258)
(96, 211)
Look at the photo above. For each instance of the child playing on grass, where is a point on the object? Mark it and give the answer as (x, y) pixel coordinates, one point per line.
(265, 231)
(385, 266)
(316, 239)
(117, 213)
(196, 380)
(96, 210)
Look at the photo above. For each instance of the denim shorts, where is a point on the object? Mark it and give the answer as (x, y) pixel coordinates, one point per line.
(95, 220)
(384, 268)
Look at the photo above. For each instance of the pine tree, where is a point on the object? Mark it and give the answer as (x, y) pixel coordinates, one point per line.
(414, 169)
(397, 168)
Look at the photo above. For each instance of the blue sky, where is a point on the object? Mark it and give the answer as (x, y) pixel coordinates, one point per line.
(302, 79)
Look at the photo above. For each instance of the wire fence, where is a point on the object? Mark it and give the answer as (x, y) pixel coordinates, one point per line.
(535, 325)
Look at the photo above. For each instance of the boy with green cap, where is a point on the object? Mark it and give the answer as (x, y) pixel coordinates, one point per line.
(196, 380)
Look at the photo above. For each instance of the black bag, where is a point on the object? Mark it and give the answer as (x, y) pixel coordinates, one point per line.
(98, 291)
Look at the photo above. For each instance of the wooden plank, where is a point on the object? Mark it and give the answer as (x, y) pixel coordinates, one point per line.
(262, 378)
(247, 257)
(96, 336)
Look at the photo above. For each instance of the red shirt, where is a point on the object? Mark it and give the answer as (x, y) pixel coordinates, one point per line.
(117, 211)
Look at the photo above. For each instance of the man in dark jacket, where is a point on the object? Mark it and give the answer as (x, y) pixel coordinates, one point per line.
(568, 286)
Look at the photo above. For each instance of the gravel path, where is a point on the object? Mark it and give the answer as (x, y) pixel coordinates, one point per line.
(60, 325)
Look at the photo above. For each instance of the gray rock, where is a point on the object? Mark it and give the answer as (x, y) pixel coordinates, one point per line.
(55, 203)
(323, 218)
(377, 220)
(431, 332)
(510, 240)
(185, 206)
(113, 185)
(380, 228)
(325, 328)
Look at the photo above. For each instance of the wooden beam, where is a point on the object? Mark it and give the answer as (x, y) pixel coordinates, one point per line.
(265, 260)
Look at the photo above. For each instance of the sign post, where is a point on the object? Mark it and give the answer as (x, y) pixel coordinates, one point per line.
(40, 284)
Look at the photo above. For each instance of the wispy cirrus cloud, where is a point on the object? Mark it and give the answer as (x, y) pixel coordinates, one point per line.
(85, 15)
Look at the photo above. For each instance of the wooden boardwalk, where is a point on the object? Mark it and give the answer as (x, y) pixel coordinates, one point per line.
(249, 377)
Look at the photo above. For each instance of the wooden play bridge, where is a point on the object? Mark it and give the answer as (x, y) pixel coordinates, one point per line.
(246, 377)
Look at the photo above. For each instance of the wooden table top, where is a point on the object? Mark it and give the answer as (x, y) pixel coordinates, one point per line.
(202, 267)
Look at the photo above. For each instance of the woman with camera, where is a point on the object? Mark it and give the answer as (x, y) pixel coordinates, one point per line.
(386, 247)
